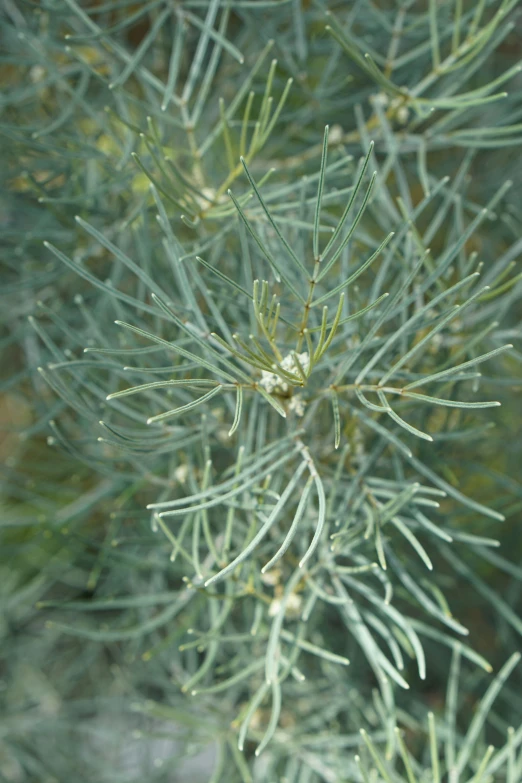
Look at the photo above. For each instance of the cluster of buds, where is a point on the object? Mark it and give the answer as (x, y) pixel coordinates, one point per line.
(397, 107)
(272, 382)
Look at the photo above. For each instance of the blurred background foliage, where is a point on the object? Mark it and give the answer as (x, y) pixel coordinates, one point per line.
(98, 698)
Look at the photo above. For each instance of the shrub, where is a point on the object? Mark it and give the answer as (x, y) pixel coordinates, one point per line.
(250, 509)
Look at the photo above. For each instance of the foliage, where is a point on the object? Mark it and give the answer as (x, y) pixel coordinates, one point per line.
(258, 291)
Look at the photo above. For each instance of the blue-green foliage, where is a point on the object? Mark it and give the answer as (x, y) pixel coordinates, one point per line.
(260, 281)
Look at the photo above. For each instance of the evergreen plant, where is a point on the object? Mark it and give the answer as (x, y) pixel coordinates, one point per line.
(261, 307)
